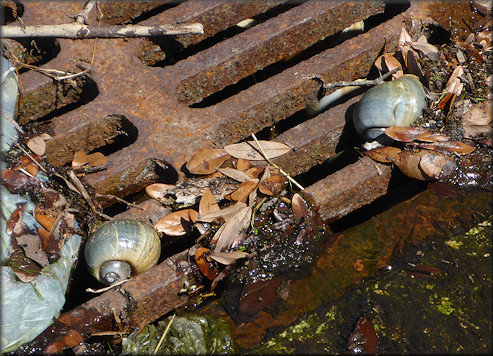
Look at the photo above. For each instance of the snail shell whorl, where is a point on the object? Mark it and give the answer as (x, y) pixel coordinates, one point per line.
(396, 103)
(120, 241)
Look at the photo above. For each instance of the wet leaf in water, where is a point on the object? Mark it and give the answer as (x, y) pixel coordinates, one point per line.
(158, 190)
(208, 203)
(385, 154)
(438, 166)
(363, 340)
(249, 150)
(228, 232)
(31, 244)
(207, 160)
(243, 191)
(235, 174)
(24, 268)
(256, 297)
(205, 266)
(18, 181)
(37, 145)
(299, 206)
(424, 271)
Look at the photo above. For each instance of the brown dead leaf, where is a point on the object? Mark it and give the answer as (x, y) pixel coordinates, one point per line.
(408, 164)
(24, 268)
(226, 258)
(206, 160)
(413, 65)
(272, 185)
(385, 154)
(37, 145)
(242, 164)
(254, 172)
(208, 203)
(299, 206)
(158, 190)
(244, 189)
(27, 164)
(224, 214)
(202, 261)
(404, 37)
(45, 221)
(31, 244)
(15, 225)
(427, 49)
(97, 159)
(79, 160)
(477, 121)
(45, 136)
(172, 224)
(437, 165)
(449, 146)
(454, 85)
(234, 174)
(228, 232)
(403, 133)
(48, 241)
(444, 101)
(474, 52)
(388, 62)
(249, 150)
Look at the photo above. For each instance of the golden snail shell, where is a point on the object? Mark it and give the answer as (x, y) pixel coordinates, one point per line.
(121, 248)
(396, 103)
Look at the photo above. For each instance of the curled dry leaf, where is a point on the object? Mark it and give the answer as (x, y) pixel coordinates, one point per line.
(444, 101)
(208, 203)
(385, 154)
(235, 174)
(228, 232)
(412, 64)
(272, 185)
(404, 134)
(158, 190)
(454, 85)
(206, 160)
(299, 206)
(37, 145)
(388, 62)
(437, 165)
(48, 241)
(172, 224)
(477, 121)
(427, 49)
(15, 224)
(404, 37)
(243, 191)
(250, 150)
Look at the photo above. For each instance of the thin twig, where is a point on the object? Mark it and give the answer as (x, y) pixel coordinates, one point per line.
(164, 334)
(273, 164)
(76, 30)
(368, 83)
(31, 157)
(90, 290)
(119, 199)
(82, 190)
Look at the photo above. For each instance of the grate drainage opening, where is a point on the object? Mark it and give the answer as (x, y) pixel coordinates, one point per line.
(29, 51)
(175, 52)
(274, 69)
(401, 188)
(124, 135)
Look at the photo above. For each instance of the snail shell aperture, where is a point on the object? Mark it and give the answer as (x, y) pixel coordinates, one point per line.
(396, 103)
(120, 248)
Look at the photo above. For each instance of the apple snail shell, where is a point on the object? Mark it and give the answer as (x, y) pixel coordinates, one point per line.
(396, 103)
(120, 248)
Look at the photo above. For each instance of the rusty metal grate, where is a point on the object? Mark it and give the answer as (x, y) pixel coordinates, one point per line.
(150, 104)
(150, 113)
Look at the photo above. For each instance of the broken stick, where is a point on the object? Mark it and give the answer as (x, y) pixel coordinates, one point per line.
(77, 30)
